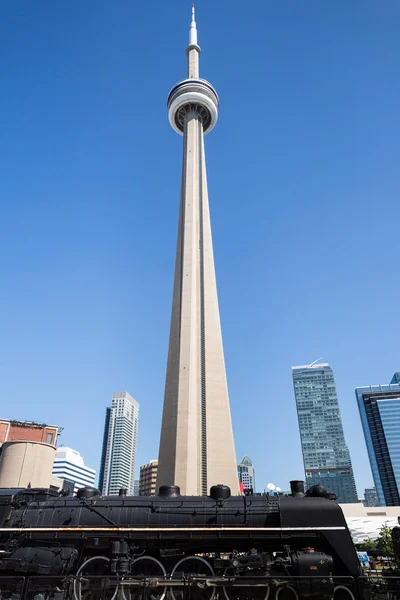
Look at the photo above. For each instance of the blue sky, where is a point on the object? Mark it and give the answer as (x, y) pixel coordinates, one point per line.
(304, 190)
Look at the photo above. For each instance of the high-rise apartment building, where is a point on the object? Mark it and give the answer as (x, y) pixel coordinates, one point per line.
(325, 453)
(70, 467)
(379, 407)
(370, 497)
(118, 459)
(148, 479)
(246, 473)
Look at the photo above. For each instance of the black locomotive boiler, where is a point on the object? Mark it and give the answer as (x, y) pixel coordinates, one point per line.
(90, 546)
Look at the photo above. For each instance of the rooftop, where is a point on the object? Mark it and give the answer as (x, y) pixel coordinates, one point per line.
(31, 424)
(312, 366)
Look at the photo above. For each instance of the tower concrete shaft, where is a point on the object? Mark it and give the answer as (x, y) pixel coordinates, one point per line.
(196, 445)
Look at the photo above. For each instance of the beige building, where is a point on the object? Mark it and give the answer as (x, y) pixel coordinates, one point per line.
(196, 444)
(24, 464)
(148, 479)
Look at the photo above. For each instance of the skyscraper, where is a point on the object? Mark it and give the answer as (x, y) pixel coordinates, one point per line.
(69, 466)
(196, 444)
(370, 497)
(379, 407)
(325, 454)
(246, 473)
(118, 458)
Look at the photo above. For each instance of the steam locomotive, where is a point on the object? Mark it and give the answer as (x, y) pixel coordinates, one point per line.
(93, 547)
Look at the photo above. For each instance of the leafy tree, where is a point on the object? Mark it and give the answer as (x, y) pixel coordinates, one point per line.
(383, 543)
(368, 544)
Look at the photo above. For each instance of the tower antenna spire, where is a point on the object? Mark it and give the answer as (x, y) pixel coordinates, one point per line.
(193, 49)
(193, 29)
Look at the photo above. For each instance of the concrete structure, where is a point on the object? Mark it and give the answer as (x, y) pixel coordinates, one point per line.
(325, 453)
(136, 487)
(28, 431)
(57, 484)
(247, 473)
(379, 407)
(118, 459)
(24, 464)
(148, 479)
(196, 445)
(366, 522)
(69, 466)
(370, 497)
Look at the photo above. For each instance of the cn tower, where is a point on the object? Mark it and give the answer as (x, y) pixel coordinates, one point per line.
(196, 445)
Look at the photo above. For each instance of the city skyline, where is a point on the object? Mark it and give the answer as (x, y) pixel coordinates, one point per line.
(92, 199)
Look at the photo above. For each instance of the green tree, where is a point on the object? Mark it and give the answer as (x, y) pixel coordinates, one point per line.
(385, 544)
(368, 544)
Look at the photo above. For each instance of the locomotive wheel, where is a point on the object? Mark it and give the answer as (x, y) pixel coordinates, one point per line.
(193, 565)
(286, 593)
(145, 566)
(244, 593)
(341, 592)
(94, 589)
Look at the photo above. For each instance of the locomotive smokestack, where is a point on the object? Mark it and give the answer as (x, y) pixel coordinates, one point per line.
(297, 487)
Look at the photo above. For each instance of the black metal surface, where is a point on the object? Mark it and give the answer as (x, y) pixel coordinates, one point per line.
(46, 534)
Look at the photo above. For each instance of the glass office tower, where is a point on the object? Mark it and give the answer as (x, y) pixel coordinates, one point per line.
(325, 454)
(379, 407)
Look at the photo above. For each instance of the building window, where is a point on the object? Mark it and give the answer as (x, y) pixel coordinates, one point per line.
(49, 438)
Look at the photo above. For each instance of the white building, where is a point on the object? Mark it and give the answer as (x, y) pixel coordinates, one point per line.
(118, 459)
(69, 466)
(367, 521)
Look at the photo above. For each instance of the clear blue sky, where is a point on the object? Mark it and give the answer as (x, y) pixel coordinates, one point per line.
(304, 189)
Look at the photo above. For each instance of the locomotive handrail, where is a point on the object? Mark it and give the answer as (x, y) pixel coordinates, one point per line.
(92, 509)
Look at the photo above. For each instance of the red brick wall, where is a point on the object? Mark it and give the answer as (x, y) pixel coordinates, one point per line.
(17, 433)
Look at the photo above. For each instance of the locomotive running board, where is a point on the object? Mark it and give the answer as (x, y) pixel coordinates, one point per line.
(165, 529)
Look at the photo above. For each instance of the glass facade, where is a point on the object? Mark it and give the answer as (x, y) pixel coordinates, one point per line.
(370, 497)
(325, 454)
(379, 407)
(246, 473)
